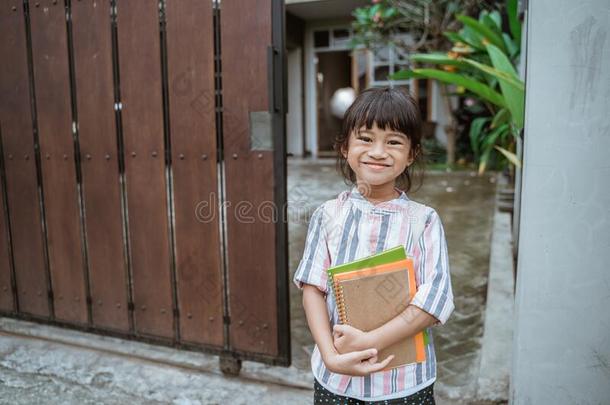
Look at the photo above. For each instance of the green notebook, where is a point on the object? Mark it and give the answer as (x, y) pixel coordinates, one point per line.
(387, 256)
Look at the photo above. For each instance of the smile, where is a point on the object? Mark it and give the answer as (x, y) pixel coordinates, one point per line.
(376, 165)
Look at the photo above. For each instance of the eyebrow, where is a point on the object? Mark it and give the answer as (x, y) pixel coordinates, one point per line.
(400, 134)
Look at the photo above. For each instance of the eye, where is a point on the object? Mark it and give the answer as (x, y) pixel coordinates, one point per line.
(393, 142)
(364, 138)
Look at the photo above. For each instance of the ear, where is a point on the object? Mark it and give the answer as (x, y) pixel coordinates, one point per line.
(344, 152)
(411, 159)
(412, 155)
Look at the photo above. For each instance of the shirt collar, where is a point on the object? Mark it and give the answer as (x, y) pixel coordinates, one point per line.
(393, 205)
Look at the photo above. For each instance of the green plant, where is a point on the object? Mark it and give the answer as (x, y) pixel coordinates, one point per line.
(481, 64)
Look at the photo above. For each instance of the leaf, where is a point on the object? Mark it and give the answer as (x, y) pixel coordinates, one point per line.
(361, 14)
(471, 84)
(513, 80)
(501, 61)
(510, 156)
(453, 37)
(497, 18)
(491, 24)
(501, 117)
(493, 136)
(436, 58)
(474, 43)
(472, 38)
(388, 13)
(482, 30)
(513, 49)
(374, 9)
(476, 129)
(514, 96)
(488, 145)
(483, 161)
(513, 20)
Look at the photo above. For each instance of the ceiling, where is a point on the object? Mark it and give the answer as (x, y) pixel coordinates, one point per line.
(323, 9)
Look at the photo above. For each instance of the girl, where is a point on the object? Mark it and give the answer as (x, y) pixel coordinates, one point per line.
(379, 143)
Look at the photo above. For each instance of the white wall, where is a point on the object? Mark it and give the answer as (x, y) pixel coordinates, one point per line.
(294, 117)
(311, 123)
(562, 327)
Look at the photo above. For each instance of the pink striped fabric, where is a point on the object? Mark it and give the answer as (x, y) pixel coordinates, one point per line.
(350, 227)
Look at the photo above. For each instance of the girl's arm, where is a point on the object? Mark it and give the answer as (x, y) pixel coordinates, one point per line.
(357, 363)
(408, 323)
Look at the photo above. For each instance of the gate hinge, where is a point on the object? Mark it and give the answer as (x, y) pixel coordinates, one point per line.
(226, 320)
(50, 295)
(176, 313)
(131, 306)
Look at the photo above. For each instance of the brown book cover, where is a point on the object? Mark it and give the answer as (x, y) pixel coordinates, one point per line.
(368, 298)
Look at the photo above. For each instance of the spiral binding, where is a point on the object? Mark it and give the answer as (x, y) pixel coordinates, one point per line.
(341, 308)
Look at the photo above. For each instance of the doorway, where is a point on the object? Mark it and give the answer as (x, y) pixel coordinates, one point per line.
(333, 71)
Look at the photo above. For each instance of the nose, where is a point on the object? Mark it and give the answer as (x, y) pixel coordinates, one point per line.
(377, 150)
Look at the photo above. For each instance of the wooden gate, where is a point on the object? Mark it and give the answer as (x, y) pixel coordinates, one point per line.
(143, 171)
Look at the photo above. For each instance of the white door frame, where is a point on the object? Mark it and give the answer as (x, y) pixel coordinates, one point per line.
(311, 112)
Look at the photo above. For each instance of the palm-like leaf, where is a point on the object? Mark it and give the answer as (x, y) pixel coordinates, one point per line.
(484, 31)
(509, 155)
(436, 58)
(514, 95)
(469, 83)
(510, 79)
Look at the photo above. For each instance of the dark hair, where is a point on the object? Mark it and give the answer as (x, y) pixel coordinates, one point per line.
(390, 108)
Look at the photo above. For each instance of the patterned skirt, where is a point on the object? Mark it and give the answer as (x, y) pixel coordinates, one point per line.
(323, 396)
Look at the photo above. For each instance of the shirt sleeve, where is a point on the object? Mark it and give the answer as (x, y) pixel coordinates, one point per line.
(316, 257)
(434, 294)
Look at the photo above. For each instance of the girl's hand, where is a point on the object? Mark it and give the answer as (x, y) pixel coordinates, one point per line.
(360, 363)
(347, 339)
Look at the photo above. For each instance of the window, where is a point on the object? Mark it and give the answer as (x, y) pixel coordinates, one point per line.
(332, 39)
(387, 61)
(321, 39)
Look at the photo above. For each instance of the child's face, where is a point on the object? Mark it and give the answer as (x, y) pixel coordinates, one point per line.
(378, 156)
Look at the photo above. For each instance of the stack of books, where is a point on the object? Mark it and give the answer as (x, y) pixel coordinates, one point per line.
(373, 290)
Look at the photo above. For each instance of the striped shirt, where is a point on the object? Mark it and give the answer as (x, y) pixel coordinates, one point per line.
(350, 227)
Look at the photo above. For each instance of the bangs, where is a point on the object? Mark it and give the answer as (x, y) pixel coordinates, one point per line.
(391, 109)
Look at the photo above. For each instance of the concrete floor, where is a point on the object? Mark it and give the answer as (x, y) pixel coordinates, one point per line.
(40, 363)
(36, 370)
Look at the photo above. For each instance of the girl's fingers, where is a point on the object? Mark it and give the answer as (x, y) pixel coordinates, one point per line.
(372, 368)
(365, 362)
(387, 360)
(339, 329)
(362, 355)
(338, 342)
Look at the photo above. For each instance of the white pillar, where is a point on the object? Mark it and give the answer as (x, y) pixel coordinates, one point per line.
(562, 315)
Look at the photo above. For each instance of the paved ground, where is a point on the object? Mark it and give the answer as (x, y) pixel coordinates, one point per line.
(39, 371)
(43, 364)
(465, 204)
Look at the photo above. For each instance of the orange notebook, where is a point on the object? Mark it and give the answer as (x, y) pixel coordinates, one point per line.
(367, 298)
